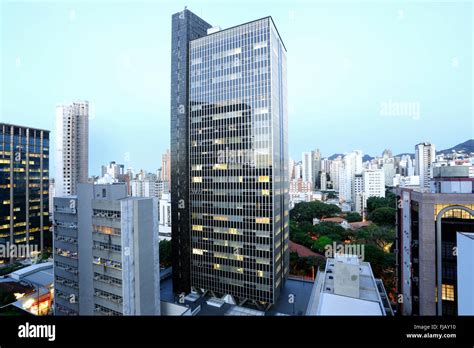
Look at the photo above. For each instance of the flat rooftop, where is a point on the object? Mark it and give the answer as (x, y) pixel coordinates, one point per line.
(301, 289)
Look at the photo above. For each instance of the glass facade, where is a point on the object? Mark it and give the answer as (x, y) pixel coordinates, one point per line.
(238, 161)
(24, 187)
(186, 26)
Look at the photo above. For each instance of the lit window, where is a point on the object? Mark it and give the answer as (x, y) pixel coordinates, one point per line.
(217, 266)
(262, 220)
(197, 178)
(220, 166)
(265, 192)
(197, 227)
(260, 274)
(198, 251)
(448, 292)
(263, 178)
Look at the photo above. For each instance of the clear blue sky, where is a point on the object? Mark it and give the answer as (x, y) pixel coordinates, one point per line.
(345, 59)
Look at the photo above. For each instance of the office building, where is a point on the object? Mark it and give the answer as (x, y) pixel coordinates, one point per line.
(106, 253)
(186, 26)
(24, 190)
(427, 224)
(72, 147)
(424, 158)
(238, 192)
(465, 275)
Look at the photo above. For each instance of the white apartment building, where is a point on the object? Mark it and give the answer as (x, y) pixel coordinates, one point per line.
(424, 158)
(72, 147)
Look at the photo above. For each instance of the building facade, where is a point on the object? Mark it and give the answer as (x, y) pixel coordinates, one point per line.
(186, 26)
(424, 157)
(111, 241)
(24, 189)
(72, 147)
(421, 244)
(239, 162)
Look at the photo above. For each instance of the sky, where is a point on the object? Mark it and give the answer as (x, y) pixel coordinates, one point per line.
(365, 75)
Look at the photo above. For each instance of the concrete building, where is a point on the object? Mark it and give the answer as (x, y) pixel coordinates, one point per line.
(453, 179)
(307, 166)
(166, 166)
(465, 275)
(164, 228)
(424, 158)
(238, 239)
(347, 286)
(144, 185)
(24, 190)
(106, 253)
(374, 183)
(72, 147)
(351, 165)
(427, 224)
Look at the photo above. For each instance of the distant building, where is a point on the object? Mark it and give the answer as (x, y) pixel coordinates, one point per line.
(424, 158)
(164, 227)
(347, 286)
(24, 190)
(72, 147)
(106, 253)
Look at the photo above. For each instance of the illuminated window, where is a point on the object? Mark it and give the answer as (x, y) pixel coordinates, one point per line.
(220, 166)
(263, 178)
(262, 220)
(233, 231)
(220, 218)
(265, 192)
(197, 227)
(198, 251)
(448, 292)
(197, 178)
(260, 274)
(217, 266)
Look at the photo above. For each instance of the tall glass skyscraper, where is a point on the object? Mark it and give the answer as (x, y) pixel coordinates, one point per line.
(24, 189)
(238, 162)
(186, 26)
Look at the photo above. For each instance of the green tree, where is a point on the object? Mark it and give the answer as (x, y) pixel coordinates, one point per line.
(353, 217)
(380, 236)
(320, 243)
(165, 253)
(307, 211)
(383, 216)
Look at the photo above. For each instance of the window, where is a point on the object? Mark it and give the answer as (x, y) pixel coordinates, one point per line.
(448, 292)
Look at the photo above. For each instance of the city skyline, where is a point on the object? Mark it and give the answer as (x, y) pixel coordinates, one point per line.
(138, 75)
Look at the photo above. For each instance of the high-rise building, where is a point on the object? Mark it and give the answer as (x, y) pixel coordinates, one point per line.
(165, 166)
(72, 147)
(106, 253)
(307, 166)
(186, 26)
(316, 156)
(24, 189)
(424, 157)
(238, 186)
(351, 165)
